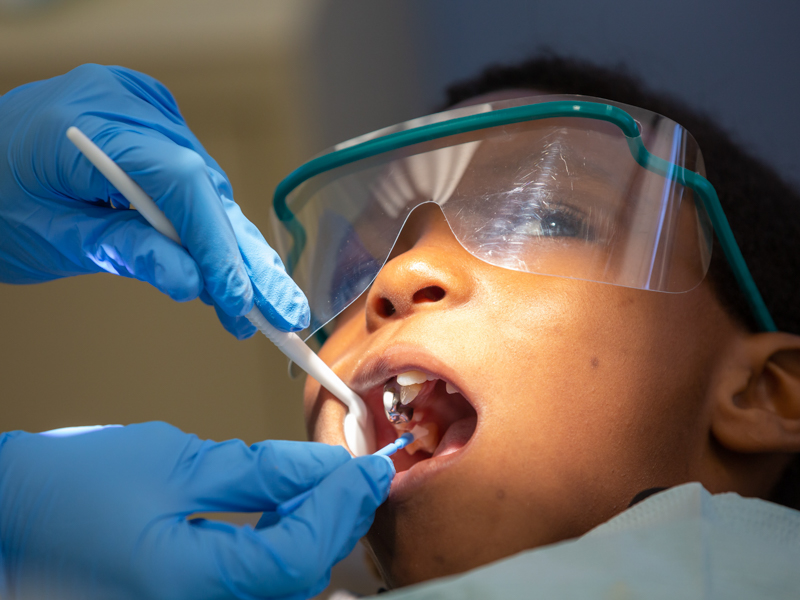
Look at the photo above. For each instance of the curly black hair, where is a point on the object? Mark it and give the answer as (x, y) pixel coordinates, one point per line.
(763, 210)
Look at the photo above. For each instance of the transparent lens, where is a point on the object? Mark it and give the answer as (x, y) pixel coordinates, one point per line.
(556, 196)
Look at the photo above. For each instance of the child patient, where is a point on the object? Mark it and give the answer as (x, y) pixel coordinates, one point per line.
(550, 313)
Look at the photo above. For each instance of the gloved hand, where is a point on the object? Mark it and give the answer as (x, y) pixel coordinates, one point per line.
(103, 514)
(55, 216)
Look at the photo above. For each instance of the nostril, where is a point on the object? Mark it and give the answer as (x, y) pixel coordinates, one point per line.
(384, 307)
(432, 293)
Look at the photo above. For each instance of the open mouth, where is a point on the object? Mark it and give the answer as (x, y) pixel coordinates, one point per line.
(426, 401)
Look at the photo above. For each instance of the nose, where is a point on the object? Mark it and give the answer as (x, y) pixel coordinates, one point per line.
(428, 270)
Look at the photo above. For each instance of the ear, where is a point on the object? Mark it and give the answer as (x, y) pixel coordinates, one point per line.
(757, 395)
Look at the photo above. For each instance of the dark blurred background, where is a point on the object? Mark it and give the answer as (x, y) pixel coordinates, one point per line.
(266, 84)
(736, 60)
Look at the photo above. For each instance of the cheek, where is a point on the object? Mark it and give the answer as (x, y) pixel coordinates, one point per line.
(312, 408)
(585, 392)
(592, 381)
(324, 414)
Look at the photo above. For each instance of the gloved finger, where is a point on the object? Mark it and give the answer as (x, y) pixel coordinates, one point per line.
(277, 296)
(63, 432)
(199, 549)
(297, 553)
(268, 519)
(179, 181)
(240, 327)
(127, 245)
(311, 592)
(281, 301)
(320, 532)
(314, 590)
(376, 466)
(123, 243)
(206, 299)
(232, 476)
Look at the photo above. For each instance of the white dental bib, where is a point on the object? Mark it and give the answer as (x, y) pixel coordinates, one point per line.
(682, 543)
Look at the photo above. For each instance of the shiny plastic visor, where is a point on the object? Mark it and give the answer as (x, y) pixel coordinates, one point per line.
(566, 186)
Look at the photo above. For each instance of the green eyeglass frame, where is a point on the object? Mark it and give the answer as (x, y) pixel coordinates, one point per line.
(507, 116)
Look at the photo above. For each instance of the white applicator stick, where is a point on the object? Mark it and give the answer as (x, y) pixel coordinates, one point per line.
(358, 434)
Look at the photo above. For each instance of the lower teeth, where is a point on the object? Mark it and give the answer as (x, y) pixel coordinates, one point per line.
(428, 442)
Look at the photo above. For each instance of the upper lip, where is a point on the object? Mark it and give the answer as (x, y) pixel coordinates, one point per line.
(376, 370)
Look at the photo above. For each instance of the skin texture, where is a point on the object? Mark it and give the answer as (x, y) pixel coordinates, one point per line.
(585, 395)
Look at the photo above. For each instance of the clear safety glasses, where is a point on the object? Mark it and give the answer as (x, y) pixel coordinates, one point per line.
(568, 186)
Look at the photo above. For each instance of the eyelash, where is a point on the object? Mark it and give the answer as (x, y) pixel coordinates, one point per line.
(529, 219)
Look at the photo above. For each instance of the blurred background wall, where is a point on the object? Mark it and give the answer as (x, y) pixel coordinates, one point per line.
(103, 349)
(266, 84)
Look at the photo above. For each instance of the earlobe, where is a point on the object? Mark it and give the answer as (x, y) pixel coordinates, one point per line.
(757, 396)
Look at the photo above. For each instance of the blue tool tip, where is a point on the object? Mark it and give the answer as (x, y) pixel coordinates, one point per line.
(404, 440)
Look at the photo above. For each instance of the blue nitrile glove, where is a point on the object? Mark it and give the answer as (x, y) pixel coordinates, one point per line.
(55, 216)
(103, 514)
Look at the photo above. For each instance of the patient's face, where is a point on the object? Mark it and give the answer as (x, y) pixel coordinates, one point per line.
(566, 398)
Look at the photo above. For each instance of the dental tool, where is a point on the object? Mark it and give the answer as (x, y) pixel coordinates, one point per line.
(358, 434)
(398, 394)
(404, 440)
(396, 411)
(292, 504)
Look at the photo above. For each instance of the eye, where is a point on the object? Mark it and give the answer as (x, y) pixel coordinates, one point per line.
(562, 223)
(549, 220)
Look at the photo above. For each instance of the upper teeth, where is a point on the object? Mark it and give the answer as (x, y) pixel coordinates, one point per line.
(410, 384)
(412, 377)
(402, 391)
(409, 392)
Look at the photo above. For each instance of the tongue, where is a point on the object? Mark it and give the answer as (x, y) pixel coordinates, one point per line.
(456, 436)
